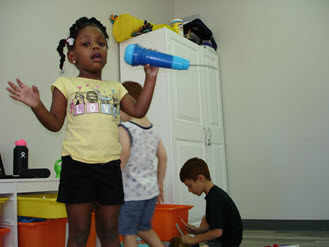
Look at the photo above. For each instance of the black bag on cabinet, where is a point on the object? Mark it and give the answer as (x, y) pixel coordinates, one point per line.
(199, 29)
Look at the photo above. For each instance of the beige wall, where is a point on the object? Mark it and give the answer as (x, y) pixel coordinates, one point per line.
(274, 59)
(30, 32)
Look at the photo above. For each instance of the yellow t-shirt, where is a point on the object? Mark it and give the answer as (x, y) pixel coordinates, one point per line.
(93, 115)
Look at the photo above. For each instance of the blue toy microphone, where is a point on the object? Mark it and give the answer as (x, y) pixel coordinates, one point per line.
(136, 55)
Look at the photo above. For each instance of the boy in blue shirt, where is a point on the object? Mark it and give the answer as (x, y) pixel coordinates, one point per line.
(221, 226)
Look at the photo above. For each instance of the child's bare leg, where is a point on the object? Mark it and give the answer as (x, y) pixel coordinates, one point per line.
(151, 238)
(107, 217)
(129, 241)
(79, 217)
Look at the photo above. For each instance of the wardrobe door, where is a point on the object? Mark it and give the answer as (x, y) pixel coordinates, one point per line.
(214, 119)
(188, 120)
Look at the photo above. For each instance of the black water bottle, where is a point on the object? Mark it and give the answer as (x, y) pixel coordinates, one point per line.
(21, 156)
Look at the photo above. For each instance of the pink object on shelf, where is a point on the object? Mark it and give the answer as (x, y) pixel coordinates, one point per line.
(21, 142)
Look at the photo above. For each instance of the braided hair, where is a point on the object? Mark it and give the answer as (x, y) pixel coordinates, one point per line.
(74, 30)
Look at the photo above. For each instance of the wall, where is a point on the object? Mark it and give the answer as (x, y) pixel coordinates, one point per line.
(30, 34)
(274, 59)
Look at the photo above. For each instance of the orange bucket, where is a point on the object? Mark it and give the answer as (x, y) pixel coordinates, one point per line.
(165, 218)
(50, 233)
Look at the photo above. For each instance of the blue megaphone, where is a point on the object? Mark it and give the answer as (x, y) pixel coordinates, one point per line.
(136, 55)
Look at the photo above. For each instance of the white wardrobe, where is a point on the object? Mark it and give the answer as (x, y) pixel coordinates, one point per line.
(186, 109)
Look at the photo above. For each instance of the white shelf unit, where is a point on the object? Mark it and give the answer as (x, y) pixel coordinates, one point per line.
(11, 188)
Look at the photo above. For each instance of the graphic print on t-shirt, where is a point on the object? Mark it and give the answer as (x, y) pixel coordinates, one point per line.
(95, 101)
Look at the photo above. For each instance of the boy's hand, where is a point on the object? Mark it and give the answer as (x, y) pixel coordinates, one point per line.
(191, 229)
(186, 239)
(24, 94)
(151, 71)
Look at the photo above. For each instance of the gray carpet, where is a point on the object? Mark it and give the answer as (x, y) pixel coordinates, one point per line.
(256, 238)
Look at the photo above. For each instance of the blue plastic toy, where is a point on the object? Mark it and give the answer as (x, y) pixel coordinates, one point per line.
(136, 55)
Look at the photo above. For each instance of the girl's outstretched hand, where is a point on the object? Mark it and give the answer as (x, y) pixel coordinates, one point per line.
(24, 94)
(151, 71)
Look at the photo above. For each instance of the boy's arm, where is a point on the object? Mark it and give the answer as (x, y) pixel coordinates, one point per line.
(162, 166)
(203, 237)
(203, 234)
(203, 227)
(124, 140)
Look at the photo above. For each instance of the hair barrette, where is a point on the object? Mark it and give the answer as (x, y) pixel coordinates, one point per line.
(70, 41)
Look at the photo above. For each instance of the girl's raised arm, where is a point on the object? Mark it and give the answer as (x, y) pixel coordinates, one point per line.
(52, 120)
(139, 108)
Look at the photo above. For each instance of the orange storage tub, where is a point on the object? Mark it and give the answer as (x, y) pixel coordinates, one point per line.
(3, 231)
(50, 233)
(165, 218)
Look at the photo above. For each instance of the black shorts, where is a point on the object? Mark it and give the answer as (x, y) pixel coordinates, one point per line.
(82, 183)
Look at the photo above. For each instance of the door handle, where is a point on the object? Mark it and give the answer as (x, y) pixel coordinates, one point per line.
(209, 138)
(205, 136)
